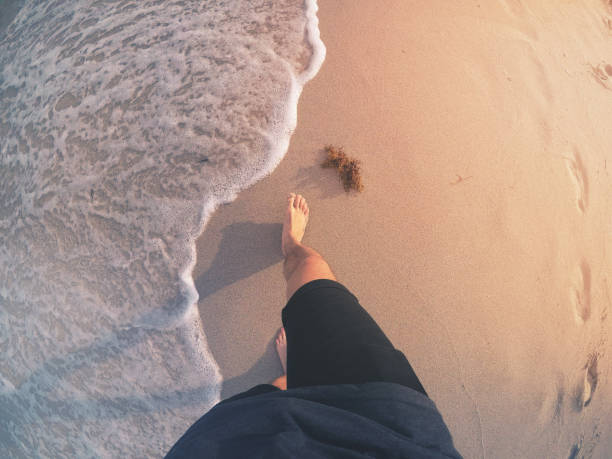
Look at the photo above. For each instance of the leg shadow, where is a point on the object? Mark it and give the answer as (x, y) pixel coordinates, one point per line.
(245, 249)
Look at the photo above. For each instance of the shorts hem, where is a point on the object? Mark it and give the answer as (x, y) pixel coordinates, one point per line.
(317, 284)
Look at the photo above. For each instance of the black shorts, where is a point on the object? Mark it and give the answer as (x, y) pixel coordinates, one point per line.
(331, 339)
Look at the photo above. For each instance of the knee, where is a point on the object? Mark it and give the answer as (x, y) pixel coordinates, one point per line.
(293, 261)
(313, 260)
(314, 266)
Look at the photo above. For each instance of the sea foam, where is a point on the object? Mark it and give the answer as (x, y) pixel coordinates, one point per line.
(123, 125)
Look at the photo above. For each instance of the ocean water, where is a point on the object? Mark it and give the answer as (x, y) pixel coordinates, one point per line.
(123, 125)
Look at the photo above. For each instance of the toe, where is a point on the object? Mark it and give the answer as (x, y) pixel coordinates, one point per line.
(296, 202)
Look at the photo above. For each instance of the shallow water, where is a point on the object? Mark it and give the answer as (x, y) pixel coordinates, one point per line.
(122, 126)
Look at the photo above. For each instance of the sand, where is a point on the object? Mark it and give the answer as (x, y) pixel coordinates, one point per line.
(479, 243)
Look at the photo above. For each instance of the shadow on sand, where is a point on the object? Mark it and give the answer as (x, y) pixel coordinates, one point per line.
(245, 249)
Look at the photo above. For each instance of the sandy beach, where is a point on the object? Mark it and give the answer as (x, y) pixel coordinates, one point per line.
(479, 243)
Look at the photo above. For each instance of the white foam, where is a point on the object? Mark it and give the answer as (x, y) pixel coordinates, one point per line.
(122, 128)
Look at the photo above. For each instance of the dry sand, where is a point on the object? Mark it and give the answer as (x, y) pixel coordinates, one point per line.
(480, 241)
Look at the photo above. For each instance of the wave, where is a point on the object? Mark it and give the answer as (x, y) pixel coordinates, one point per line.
(123, 126)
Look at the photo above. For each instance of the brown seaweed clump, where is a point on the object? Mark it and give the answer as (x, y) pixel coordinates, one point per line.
(349, 169)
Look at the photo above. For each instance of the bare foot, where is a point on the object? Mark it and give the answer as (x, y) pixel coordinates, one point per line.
(296, 218)
(281, 348)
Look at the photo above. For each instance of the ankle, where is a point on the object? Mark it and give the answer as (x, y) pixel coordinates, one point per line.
(280, 382)
(291, 247)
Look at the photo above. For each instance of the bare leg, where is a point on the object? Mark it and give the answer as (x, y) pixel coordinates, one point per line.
(281, 348)
(302, 264)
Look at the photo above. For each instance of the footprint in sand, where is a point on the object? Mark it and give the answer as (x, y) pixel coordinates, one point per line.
(575, 166)
(606, 18)
(586, 390)
(602, 74)
(585, 447)
(608, 302)
(608, 24)
(581, 292)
